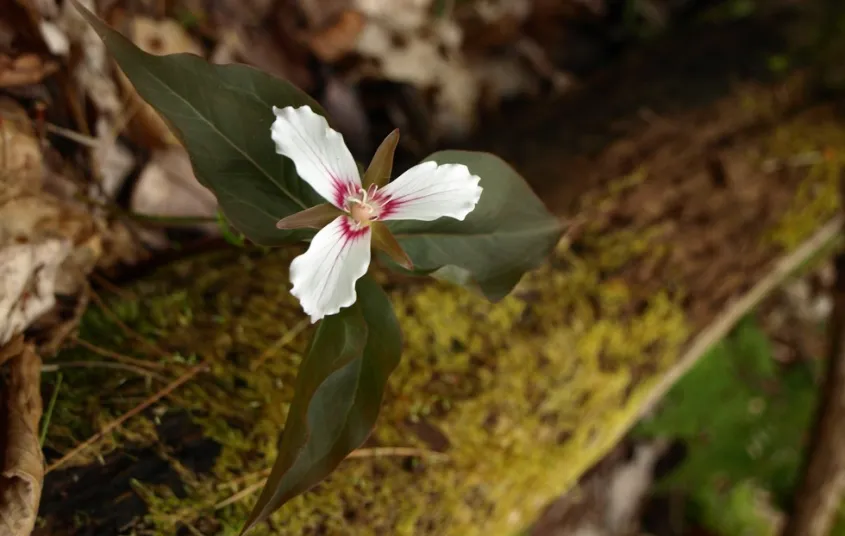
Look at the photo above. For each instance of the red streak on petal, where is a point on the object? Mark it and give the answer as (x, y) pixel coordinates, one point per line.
(342, 190)
(389, 206)
(350, 231)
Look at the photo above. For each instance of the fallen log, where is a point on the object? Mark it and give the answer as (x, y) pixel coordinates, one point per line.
(692, 186)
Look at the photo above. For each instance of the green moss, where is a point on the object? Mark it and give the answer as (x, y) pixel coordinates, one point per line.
(469, 370)
(529, 392)
(817, 143)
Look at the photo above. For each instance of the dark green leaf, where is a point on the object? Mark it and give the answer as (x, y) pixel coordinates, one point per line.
(338, 393)
(509, 232)
(222, 114)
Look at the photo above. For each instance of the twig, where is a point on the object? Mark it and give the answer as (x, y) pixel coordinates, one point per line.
(126, 329)
(111, 287)
(140, 363)
(280, 343)
(63, 331)
(375, 452)
(48, 416)
(239, 496)
(192, 529)
(729, 317)
(72, 135)
(54, 367)
(188, 375)
(401, 452)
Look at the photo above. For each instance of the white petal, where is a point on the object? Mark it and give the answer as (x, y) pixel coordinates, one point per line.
(324, 276)
(428, 191)
(319, 153)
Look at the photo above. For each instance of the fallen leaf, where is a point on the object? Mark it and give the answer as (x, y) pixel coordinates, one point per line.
(337, 40)
(54, 37)
(27, 283)
(167, 187)
(11, 349)
(22, 473)
(93, 72)
(39, 231)
(21, 167)
(429, 59)
(113, 160)
(319, 13)
(24, 70)
(400, 15)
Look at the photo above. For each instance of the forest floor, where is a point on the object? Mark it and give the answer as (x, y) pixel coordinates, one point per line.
(97, 192)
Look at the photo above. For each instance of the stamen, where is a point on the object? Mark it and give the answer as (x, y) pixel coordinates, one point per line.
(361, 208)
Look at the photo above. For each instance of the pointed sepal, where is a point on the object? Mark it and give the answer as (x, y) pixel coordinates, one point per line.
(315, 217)
(383, 240)
(381, 165)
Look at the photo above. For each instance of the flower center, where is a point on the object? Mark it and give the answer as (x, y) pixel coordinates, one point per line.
(362, 208)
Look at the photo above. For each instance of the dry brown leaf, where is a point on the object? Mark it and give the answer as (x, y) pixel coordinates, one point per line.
(22, 473)
(21, 167)
(11, 349)
(336, 41)
(93, 72)
(167, 187)
(319, 13)
(429, 59)
(113, 160)
(24, 70)
(28, 274)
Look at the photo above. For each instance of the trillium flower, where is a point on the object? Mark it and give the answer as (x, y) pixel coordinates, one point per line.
(352, 219)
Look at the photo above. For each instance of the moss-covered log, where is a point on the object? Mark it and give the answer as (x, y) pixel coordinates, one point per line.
(675, 216)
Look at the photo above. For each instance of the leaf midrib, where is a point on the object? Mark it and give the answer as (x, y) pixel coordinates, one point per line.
(516, 233)
(335, 439)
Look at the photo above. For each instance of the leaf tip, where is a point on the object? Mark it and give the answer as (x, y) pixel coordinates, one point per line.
(405, 262)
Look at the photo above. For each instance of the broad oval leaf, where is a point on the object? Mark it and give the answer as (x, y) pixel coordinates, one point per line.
(222, 115)
(510, 231)
(339, 389)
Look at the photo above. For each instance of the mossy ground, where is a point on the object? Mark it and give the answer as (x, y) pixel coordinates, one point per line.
(470, 369)
(526, 394)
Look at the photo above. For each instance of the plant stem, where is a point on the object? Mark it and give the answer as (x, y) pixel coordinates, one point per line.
(45, 423)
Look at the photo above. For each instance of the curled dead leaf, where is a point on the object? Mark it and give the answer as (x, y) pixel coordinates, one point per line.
(22, 471)
(430, 59)
(24, 70)
(21, 167)
(92, 72)
(11, 349)
(167, 187)
(27, 283)
(337, 40)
